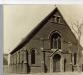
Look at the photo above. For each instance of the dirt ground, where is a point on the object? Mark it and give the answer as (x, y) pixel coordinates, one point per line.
(67, 73)
(5, 72)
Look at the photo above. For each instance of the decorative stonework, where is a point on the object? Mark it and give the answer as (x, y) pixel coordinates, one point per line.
(51, 61)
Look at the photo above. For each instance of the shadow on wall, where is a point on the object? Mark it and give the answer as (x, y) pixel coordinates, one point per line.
(28, 68)
(46, 68)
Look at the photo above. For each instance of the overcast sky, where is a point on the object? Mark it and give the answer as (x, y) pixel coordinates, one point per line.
(42, 1)
(19, 20)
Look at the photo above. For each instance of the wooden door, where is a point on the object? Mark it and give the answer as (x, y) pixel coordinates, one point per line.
(56, 63)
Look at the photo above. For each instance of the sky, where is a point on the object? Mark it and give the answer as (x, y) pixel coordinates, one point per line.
(19, 20)
(42, 1)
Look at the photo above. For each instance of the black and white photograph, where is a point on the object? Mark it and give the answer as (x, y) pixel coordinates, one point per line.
(43, 39)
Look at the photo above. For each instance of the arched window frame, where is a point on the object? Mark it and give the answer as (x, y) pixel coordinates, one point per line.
(33, 56)
(51, 39)
(75, 58)
(65, 61)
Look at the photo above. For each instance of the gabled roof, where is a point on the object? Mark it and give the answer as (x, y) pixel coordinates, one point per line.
(35, 30)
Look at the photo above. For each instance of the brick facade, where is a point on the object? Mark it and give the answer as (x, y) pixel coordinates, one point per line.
(47, 59)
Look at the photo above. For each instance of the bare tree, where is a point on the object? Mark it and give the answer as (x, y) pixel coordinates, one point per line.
(77, 27)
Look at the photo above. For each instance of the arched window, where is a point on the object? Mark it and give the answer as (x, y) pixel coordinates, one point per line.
(64, 65)
(33, 56)
(55, 41)
(75, 58)
(27, 56)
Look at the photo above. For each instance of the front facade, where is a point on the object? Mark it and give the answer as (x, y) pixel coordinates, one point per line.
(50, 47)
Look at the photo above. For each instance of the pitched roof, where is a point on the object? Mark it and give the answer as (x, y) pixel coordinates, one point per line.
(35, 30)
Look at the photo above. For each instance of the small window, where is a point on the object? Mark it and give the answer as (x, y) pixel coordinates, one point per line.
(56, 19)
(27, 56)
(75, 58)
(32, 56)
(64, 65)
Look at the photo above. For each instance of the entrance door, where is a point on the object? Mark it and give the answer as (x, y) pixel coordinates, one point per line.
(56, 63)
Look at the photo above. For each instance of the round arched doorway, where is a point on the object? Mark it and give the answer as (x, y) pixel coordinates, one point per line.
(56, 63)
